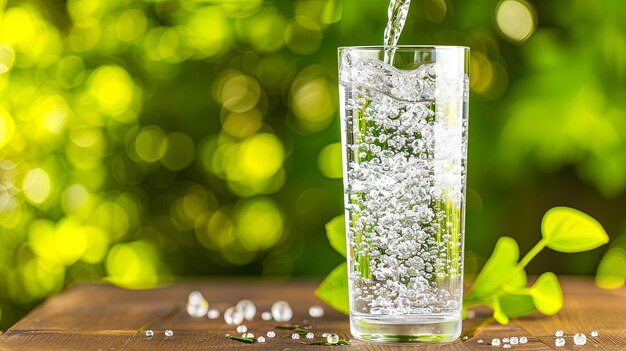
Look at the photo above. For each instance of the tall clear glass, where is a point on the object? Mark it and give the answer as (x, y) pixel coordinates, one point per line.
(404, 137)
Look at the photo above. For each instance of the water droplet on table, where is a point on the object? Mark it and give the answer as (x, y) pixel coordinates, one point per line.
(580, 339)
(559, 342)
(316, 311)
(332, 339)
(281, 311)
(523, 340)
(213, 314)
(248, 309)
(233, 316)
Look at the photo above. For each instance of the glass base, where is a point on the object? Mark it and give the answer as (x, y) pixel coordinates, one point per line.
(433, 328)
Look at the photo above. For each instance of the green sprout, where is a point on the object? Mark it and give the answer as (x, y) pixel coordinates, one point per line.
(241, 339)
(502, 283)
(341, 342)
(294, 328)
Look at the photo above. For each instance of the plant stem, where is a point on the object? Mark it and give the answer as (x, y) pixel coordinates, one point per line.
(531, 254)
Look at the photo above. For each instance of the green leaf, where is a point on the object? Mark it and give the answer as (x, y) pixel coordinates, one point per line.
(611, 272)
(546, 294)
(565, 229)
(334, 289)
(514, 305)
(499, 269)
(498, 314)
(336, 233)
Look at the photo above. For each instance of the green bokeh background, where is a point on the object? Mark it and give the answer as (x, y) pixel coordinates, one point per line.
(145, 141)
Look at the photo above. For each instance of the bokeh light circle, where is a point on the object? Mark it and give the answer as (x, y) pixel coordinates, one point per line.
(329, 161)
(180, 151)
(151, 144)
(515, 19)
(7, 127)
(260, 156)
(36, 185)
(311, 99)
(259, 224)
(303, 35)
(131, 25)
(112, 88)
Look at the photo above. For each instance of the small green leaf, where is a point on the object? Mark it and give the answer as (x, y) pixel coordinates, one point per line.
(336, 233)
(241, 339)
(565, 229)
(341, 342)
(498, 268)
(295, 328)
(334, 289)
(611, 272)
(546, 294)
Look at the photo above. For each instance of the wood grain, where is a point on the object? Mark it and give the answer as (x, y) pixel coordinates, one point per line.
(103, 317)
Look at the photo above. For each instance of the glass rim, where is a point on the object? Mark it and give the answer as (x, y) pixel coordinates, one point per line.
(415, 47)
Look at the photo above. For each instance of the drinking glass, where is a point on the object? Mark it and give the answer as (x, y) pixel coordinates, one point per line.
(404, 141)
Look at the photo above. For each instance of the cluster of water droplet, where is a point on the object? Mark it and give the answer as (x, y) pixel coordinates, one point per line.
(405, 134)
(198, 306)
(507, 342)
(167, 333)
(245, 310)
(559, 341)
(578, 338)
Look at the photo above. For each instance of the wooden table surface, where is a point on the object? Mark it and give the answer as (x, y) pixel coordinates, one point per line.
(103, 317)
